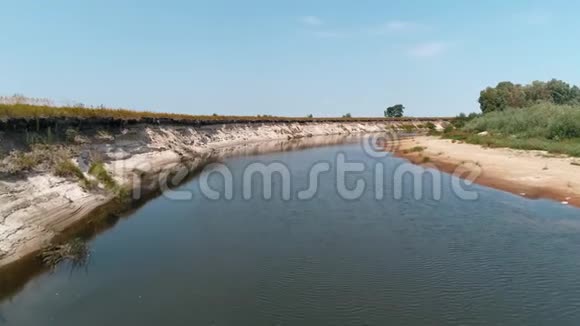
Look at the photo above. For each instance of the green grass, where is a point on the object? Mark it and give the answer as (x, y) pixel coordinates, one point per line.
(98, 170)
(569, 146)
(545, 120)
(544, 126)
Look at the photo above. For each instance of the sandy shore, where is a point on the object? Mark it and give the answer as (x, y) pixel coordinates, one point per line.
(531, 174)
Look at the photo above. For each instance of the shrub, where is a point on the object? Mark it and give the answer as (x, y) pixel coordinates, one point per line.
(542, 120)
(18, 161)
(99, 171)
(65, 168)
(408, 127)
(416, 149)
(564, 127)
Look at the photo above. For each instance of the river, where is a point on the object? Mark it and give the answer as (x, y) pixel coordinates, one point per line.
(325, 260)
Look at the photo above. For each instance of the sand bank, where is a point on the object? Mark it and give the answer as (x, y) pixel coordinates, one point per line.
(530, 174)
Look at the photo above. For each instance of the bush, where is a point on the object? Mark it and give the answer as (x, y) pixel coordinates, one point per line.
(98, 170)
(416, 149)
(542, 120)
(564, 127)
(67, 169)
(408, 127)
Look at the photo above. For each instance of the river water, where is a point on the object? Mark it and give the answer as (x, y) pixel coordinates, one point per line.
(500, 259)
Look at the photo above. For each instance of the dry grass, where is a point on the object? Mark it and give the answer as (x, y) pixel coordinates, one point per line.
(8, 111)
(42, 157)
(416, 149)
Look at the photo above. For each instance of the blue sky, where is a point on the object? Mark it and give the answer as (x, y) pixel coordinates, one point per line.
(283, 57)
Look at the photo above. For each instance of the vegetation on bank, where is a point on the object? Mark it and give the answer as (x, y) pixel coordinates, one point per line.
(509, 95)
(567, 147)
(42, 157)
(19, 106)
(76, 252)
(28, 111)
(8, 111)
(101, 174)
(545, 120)
(539, 116)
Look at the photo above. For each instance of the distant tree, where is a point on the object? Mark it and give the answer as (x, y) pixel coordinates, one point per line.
(309, 116)
(395, 111)
(348, 115)
(473, 115)
(461, 119)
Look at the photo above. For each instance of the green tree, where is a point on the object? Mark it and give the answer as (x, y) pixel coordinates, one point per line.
(395, 111)
(507, 94)
(348, 115)
(537, 92)
(575, 94)
(560, 91)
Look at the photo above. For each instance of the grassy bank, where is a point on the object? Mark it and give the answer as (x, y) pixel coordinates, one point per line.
(548, 127)
(11, 111)
(36, 111)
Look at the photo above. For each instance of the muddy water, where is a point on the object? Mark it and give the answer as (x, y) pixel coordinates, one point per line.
(500, 259)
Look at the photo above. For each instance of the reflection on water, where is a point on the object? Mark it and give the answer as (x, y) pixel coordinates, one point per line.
(15, 276)
(328, 261)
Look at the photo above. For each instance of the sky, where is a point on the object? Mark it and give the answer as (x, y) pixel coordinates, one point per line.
(287, 58)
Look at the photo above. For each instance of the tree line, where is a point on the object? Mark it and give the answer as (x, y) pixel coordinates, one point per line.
(509, 95)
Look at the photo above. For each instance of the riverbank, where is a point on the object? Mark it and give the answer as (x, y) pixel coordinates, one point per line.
(531, 174)
(36, 205)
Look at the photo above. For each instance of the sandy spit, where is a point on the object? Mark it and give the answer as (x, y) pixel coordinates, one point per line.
(530, 174)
